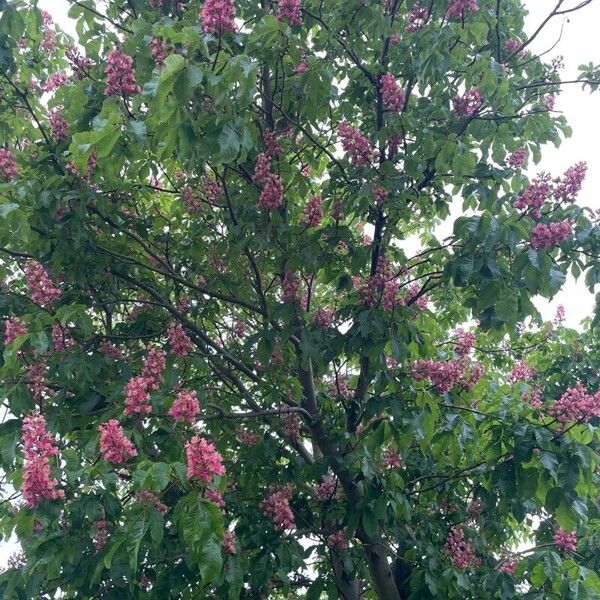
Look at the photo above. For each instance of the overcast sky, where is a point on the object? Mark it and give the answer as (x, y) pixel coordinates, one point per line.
(579, 45)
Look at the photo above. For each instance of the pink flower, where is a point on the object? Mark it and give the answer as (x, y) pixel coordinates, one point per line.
(302, 67)
(521, 372)
(271, 196)
(13, 328)
(120, 75)
(509, 566)
(159, 50)
(218, 16)
(179, 340)
(38, 484)
(100, 537)
(534, 196)
(460, 551)
(212, 190)
(41, 288)
(575, 405)
(465, 340)
(337, 541)
(110, 350)
(289, 288)
(329, 489)
(61, 338)
(114, 446)
(80, 64)
(203, 460)
(513, 45)
(549, 101)
(54, 81)
(559, 316)
(290, 425)
(154, 365)
(290, 11)
(379, 195)
(38, 447)
(313, 212)
(356, 145)
(59, 126)
(568, 187)
(566, 541)
(215, 496)
(36, 374)
(417, 18)
(48, 44)
(392, 94)
(186, 407)
(246, 437)
(442, 375)
(149, 498)
(458, 8)
(553, 234)
(517, 159)
(137, 397)
(277, 507)
(468, 104)
(323, 316)
(392, 458)
(8, 165)
(228, 544)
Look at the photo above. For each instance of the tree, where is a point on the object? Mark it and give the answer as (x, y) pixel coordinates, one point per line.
(245, 354)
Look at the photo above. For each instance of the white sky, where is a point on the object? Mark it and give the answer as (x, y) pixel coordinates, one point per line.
(578, 45)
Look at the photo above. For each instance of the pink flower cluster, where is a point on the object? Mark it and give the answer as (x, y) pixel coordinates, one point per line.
(154, 365)
(271, 196)
(513, 45)
(59, 126)
(61, 338)
(569, 186)
(413, 296)
(517, 159)
(228, 543)
(137, 397)
(337, 541)
(48, 43)
(120, 75)
(55, 81)
(290, 285)
(383, 285)
(467, 104)
(149, 498)
(549, 101)
(179, 339)
(392, 95)
(214, 495)
(41, 289)
(379, 195)
(457, 8)
(114, 446)
(191, 200)
(509, 566)
(100, 537)
(535, 195)
(460, 551)
(277, 507)
(465, 340)
(212, 190)
(323, 316)
(13, 328)
(355, 144)
(553, 234)
(8, 164)
(38, 447)
(81, 65)
(218, 16)
(36, 374)
(246, 437)
(576, 404)
(110, 350)
(392, 458)
(444, 375)
(203, 460)
(566, 541)
(417, 18)
(329, 489)
(186, 407)
(159, 50)
(290, 11)
(313, 212)
(522, 371)
(290, 426)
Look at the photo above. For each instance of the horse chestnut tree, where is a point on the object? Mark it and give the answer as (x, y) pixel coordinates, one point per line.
(269, 271)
